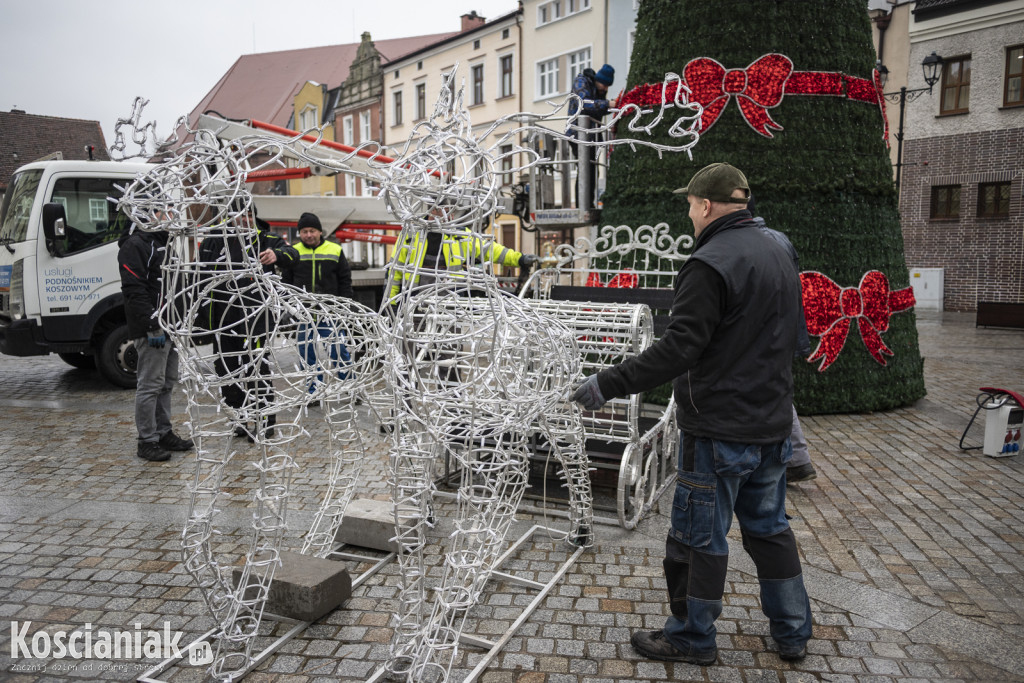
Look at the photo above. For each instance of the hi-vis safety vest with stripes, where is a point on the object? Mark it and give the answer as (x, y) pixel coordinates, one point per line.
(312, 260)
(455, 253)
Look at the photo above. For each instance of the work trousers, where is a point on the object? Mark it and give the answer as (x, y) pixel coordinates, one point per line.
(156, 375)
(717, 478)
(338, 353)
(233, 353)
(801, 456)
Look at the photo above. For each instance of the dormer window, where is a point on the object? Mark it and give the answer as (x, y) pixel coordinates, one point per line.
(309, 117)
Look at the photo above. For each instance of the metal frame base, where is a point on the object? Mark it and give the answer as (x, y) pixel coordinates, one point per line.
(495, 647)
(298, 626)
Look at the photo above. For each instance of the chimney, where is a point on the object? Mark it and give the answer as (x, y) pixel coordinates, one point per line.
(471, 21)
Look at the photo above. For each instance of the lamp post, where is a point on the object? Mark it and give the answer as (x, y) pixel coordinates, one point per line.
(931, 66)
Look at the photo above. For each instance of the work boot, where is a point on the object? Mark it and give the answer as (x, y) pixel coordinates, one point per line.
(792, 654)
(151, 451)
(654, 645)
(800, 473)
(172, 442)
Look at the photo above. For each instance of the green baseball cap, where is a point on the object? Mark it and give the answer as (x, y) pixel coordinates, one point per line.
(717, 182)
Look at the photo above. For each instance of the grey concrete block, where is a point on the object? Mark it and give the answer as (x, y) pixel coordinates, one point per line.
(305, 587)
(369, 524)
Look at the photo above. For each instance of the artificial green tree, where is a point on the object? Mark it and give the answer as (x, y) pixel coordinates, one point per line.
(820, 170)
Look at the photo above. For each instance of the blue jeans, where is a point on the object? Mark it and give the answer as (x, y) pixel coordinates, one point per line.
(716, 479)
(155, 377)
(307, 348)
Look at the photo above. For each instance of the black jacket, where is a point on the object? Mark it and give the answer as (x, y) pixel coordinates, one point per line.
(803, 346)
(227, 251)
(322, 269)
(730, 343)
(138, 261)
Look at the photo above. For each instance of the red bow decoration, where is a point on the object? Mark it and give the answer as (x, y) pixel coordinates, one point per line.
(829, 309)
(757, 88)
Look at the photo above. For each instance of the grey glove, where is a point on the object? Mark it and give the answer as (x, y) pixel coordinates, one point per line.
(156, 338)
(528, 261)
(588, 394)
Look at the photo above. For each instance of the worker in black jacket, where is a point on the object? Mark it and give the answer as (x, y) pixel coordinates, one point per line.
(139, 260)
(729, 346)
(322, 269)
(236, 333)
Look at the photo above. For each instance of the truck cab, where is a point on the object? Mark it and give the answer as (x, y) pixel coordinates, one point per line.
(60, 291)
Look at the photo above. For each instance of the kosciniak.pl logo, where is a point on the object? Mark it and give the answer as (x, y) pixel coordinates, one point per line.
(90, 643)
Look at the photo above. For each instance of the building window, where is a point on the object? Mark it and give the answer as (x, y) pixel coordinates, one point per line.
(419, 65)
(547, 78)
(1013, 93)
(367, 187)
(994, 200)
(505, 154)
(347, 133)
(578, 61)
(421, 101)
(476, 44)
(350, 185)
(308, 119)
(504, 34)
(557, 9)
(945, 201)
(477, 77)
(396, 107)
(364, 127)
(956, 85)
(505, 66)
(97, 210)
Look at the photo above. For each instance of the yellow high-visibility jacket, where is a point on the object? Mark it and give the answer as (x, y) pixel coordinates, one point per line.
(455, 253)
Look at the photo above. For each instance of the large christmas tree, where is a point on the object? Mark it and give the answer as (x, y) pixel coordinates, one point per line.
(791, 100)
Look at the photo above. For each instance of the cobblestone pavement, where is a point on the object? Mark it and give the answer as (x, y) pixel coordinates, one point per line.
(912, 548)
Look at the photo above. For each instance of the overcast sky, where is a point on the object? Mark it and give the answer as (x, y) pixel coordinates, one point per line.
(88, 59)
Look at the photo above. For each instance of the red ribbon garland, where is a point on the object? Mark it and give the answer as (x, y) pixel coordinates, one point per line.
(756, 88)
(830, 309)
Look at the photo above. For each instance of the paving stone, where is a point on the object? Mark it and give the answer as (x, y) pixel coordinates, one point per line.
(907, 542)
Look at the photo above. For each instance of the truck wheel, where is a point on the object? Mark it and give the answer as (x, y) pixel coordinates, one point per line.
(118, 358)
(78, 360)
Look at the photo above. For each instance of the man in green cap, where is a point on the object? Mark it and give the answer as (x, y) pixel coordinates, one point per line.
(729, 347)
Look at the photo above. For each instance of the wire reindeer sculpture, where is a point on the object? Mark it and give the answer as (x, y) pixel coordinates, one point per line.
(251, 378)
(470, 370)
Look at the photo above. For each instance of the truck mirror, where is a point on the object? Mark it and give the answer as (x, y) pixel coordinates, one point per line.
(54, 227)
(54, 221)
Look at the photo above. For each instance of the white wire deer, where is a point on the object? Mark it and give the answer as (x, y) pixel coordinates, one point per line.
(253, 319)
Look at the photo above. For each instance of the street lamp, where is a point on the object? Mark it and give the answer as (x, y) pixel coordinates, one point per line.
(931, 66)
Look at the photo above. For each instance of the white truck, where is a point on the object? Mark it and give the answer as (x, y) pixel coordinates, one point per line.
(60, 290)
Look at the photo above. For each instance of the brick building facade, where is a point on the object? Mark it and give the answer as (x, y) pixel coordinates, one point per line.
(963, 160)
(982, 256)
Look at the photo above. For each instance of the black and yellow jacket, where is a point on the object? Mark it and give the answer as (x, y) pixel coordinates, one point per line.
(322, 269)
(424, 253)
